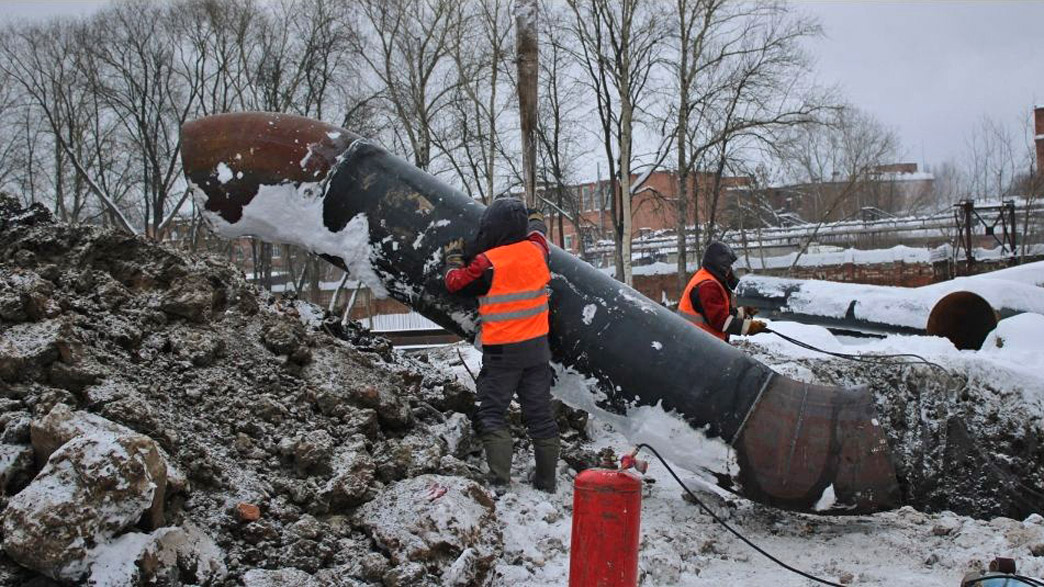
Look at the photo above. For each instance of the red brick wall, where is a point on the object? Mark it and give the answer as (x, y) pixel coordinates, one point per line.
(652, 208)
(898, 273)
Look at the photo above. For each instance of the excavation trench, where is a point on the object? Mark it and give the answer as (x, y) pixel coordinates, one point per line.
(386, 221)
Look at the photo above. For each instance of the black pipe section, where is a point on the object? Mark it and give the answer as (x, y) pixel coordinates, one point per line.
(794, 441)
(963, 317)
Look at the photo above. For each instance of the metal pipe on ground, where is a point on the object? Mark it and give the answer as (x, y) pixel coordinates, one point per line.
(963, 317)
(289, 179)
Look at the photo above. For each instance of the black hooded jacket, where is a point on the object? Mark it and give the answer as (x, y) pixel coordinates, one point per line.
(505, 221)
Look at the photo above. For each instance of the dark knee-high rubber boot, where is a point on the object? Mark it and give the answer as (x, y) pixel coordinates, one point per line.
(545, 451)
(498, 447)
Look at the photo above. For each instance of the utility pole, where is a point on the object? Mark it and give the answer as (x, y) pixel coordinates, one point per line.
(526, 45)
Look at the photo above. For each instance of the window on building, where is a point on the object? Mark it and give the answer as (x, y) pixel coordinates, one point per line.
(569, 242)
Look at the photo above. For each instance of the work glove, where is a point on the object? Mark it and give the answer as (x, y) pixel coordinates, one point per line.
(756, 326)
(453, 253)
(749, 311)
(535, 215)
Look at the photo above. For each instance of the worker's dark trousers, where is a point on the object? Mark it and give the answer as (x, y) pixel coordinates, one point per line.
(498, 383)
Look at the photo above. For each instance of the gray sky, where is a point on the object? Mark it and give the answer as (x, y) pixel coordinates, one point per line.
(15, 9)
(932, 69)
(929, 69)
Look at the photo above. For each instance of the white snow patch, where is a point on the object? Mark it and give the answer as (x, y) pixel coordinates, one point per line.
(293, 214)
(826, 500)
(113, 564)
(589, 313)
(1018, 335)
(224, 173)
(657, 345)
(333, 135)
(816, 336)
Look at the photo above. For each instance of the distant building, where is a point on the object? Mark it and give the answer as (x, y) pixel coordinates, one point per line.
(894, 189)
(653, 208)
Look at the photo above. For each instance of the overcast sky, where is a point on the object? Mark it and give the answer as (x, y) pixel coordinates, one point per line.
(929, 69)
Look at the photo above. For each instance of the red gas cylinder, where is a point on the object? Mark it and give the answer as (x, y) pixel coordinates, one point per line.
(607, 512)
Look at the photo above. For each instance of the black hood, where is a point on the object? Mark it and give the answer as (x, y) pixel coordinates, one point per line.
(504, 222)
(718, 259)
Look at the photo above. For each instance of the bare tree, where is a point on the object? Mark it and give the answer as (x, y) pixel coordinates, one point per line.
(993, 157)
(45, 61)
(217, 51)
(411, 59)
(528, 59)
(831, 162)
(131, 53)
(738, 79)
(560, 124)
(480, 50)
(619, 43)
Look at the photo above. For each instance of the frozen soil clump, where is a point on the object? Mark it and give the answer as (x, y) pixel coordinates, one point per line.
(265, 434)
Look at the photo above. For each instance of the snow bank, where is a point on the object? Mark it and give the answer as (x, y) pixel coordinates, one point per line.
(1018, 335)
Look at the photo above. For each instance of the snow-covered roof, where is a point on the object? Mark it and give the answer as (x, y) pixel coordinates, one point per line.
(905, 176)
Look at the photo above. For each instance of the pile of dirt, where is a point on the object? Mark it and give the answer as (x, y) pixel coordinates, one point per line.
(248, 440)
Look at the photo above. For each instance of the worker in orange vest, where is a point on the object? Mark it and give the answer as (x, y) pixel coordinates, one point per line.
(508, 273)
(708, 301)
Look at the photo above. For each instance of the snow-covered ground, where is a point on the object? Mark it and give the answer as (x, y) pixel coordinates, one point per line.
(681, 545)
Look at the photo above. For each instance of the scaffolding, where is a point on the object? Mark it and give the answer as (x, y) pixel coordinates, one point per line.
(969, 218)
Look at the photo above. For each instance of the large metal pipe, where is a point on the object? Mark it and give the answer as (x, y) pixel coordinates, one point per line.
(298, 181)
(963, 310)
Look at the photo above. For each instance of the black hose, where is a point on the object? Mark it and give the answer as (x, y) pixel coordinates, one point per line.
(733, 530)
(876, 358)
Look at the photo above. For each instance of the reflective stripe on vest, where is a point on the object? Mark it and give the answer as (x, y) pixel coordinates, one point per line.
(515, 297)
(687, 311)
(515, 308)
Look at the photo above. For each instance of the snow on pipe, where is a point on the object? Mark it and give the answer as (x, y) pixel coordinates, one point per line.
(964, 317)
(289, 179)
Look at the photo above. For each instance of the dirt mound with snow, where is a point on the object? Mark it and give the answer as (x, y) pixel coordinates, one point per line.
(270, 437)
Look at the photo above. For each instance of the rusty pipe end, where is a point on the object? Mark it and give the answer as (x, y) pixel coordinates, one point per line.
(802, 439)
(963, 317)
(228, 156)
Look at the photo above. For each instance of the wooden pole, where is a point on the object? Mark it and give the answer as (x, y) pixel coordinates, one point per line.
(526, 45)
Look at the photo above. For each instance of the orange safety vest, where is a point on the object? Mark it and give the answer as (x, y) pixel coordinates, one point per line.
(686, 310)
(515, 307)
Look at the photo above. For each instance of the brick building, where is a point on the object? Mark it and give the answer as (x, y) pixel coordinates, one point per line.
(653, 207)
